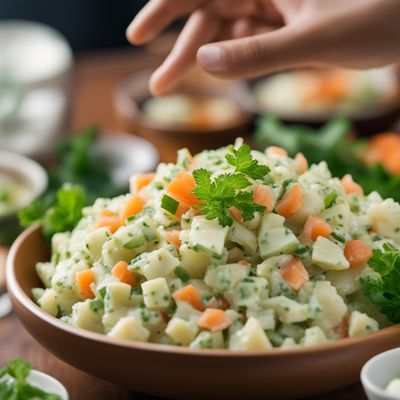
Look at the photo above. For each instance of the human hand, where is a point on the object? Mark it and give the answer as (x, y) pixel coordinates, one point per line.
(269, 35)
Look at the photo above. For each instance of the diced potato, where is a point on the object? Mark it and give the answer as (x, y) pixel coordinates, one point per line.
(361, 324)
(243, 236)
(46, 271)
(181, 332)
(250, 292)
(208, 340)
(328, 255)
(83, 316)
(288, 343)
(346, 282)
(95, 242)
(288, 310)
(194, 262)
(49, 302)
(266, 318)
(277, 241)
(129, 328)
(118, 295)
(156, 294)
(314, 336)
(250, 337)
(225, 277)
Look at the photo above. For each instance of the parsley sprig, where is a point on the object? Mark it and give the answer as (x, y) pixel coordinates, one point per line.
(383, 288)
(226, 190)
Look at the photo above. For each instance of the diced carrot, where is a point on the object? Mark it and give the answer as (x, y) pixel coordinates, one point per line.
(182, 208)
(315, 227)
(302, 163)
(357, 253)
(190, 295)
(277, 150)
(121, 271)
(295, 274)
(350, 186)
(109, 220)
(214, 320)
(133, 206)
(236, 213)
(173, 238)
(139, 181)
(181, 188)
(392, 162)
(166, 318)
(334, 85)
(291, 202)
(263, 197)
(84, 279)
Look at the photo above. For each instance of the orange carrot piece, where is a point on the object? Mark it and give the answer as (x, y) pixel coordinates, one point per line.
(173, 238)
(181, 188)
(350, 186)
(121, 271)
(139, 181)
(133, 206)
(190, 295)
(295, 274)
(107, 219)
(182, 208)
(236, 214)
(280, 151)
(214, 320)
(291, 202)
(262, 196)
(315, 227)
(357, 253)
(84, 279)
(302, 163)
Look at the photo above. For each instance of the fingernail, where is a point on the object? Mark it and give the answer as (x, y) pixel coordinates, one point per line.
(211, 58)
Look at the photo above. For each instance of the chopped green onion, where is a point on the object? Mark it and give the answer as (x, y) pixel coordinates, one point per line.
(169, 204)
(136, 291)
(338, 237)
(182, 274)
(330, 200)
(96, 305)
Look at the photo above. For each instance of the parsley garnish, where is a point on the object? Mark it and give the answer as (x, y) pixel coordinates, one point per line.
(225, 191)
(383, 289)
(182, 274)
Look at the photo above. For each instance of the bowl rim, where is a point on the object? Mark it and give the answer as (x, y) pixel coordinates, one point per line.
(368, 384)
(46, 377)
(19, 295)
(27, 169)
(129, 107)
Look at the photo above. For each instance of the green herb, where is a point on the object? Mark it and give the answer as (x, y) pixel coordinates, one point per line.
(338, 237)
(330, 199)
(169, 204)
(96, 305)
(243, 162)
(16, 387)
(382, 289)
(182, 274)
(62, 216)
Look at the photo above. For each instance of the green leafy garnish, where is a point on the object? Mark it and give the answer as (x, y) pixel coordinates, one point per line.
(62, 216)
(382, 288)
(182, 274)
(13, 385)
(169, 204)
(338, 237)
(223, 192)
(243, 162)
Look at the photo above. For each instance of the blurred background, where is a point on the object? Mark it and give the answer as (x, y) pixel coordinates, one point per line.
(75, 108)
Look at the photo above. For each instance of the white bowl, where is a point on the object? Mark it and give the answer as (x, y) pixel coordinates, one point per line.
(378, 372)
(47, 383)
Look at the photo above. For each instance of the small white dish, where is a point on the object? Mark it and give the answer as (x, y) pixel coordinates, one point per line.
(125, 154)
(47, 383)
(378, 372)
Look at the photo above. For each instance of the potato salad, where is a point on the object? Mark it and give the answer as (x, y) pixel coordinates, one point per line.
(229, 249)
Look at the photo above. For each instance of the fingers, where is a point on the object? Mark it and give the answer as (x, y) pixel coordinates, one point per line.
(156, 16)
(202, 27)
(284, 48)
(250, 27)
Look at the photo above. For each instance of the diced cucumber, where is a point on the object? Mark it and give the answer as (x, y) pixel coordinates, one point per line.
(328, 255)
(225, 277)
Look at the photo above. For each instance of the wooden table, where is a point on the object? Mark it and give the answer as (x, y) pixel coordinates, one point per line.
(95, 77)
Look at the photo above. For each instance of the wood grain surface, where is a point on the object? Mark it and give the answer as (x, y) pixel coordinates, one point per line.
(95, 77)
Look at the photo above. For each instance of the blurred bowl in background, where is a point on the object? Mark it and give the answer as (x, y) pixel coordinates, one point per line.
(125, 154)
(370, 98)
(203, 113)
(22, 180)
(35, 82)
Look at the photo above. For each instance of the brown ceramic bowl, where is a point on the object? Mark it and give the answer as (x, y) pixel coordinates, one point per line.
(130, 94)
(183, 373)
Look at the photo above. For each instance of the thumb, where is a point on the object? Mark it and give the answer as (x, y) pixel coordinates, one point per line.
(256, 55)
